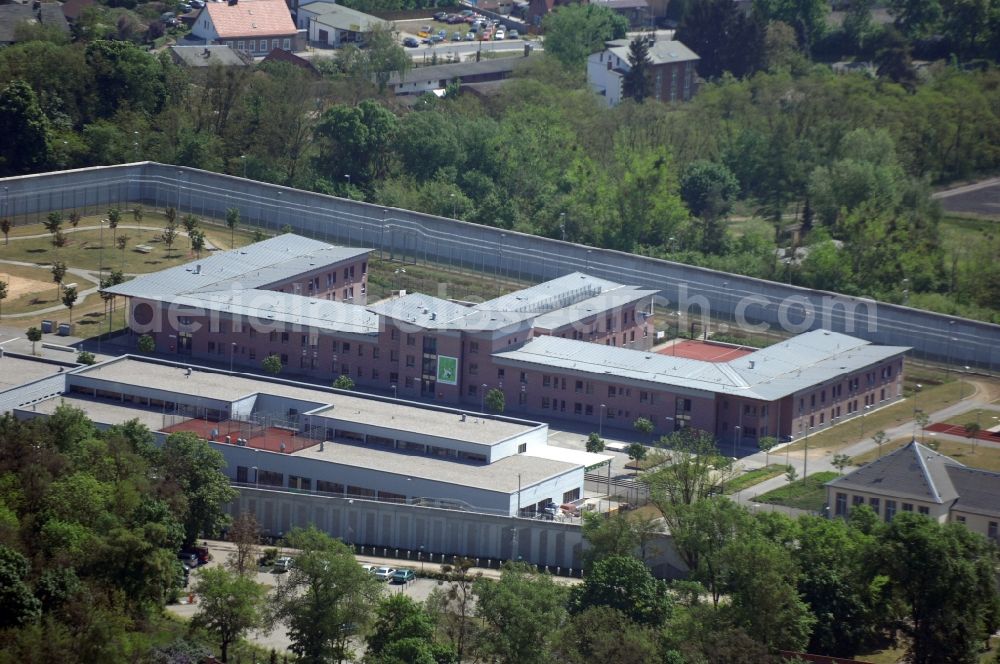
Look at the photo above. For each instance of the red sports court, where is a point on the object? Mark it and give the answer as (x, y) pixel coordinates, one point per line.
(272, 439)
(705, 350)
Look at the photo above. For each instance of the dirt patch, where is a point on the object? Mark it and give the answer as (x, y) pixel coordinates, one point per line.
(18, 286)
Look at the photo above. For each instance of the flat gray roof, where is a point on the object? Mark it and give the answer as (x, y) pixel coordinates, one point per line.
(433, 313)
(253, 266)
(767, 374)
(458, 69)
(402, 416)
(612, 299)
(563, 291)
(500, 475)
(16, 371)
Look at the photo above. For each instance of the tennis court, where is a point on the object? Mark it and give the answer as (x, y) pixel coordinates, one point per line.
(272, 439)
(705, 350)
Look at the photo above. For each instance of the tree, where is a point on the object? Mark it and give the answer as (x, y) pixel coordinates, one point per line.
(244, 533)
(858, 24)
(114, 217)
(841, 461)
(595, 443)
(453, 607)
(403, 631)
(3, 295)
(356, 141)
(69, 297)
(25, 128)
(764, 600)
(146, 343)
(229, 606)
(34, 335)
(709, 190)
(324, 592)
(190, 223)
(196, 469)
(878, 438)
(137, 214)
(232, 221)
(520, 614)
(495, 401)
(171, 214)
(916, 19)
(701, 530)
(20, 606)
(637, 83)
(85, 357)
(588, 638)
(636, 452)
(572, 32)
(74, 218)
(944, 578)
(169, 236)
(971, 428)
(272, 364)
(766, 444)
(643, 425)
(127, 77)
(5, 227)
(58, 271)
(197, 241)
(53, 222)
(385, 57)
(344, 382)
(607, 536)
(623, 583)
(725, 38)
(122, 246)
(807, 17)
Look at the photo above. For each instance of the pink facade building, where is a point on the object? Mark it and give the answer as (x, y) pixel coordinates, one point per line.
(575, 348)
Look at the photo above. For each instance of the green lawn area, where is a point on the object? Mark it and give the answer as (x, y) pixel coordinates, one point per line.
(753, 477)
(807, 494)
(434, 279)
(983, 416)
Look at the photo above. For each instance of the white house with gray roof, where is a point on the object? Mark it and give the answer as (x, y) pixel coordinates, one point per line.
(672, 71)
(915, 478)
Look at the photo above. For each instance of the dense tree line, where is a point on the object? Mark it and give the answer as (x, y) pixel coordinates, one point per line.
(90, 526)
(850, 157)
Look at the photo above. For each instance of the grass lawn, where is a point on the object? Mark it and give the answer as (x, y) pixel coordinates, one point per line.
(807, 494)
(753, 477)
(937, 392)
(651, 460)
(435, 280)
(985, 417)
(978, 456)
(30, 288)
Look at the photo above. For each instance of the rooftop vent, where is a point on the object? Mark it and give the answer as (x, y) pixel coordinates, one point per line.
(751, 364)
(197, 269)
(463, 417)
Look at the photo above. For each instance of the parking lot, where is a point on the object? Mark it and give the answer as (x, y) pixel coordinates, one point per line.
(454, 29)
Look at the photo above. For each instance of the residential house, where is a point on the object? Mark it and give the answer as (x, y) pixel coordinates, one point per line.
(636, 12)
(671, 68)
(281, 55)
(915, 478)
(72, 9)
(255, 27)
(333, 25)
(13, 16)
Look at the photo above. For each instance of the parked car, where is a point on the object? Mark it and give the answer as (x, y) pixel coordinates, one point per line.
(384, 573)
(282, 564)
(440, 16)
(513, 34)
(403, 575)
(425, 31)
(499, 34)
(456, 36)
(369, 568)
(190, 560)
(443, 34)
(435, 39)
(455, 18)
(470, 36)
(204, 555)
(411, 42)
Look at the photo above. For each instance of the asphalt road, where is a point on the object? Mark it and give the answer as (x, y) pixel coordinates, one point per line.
(980, 198)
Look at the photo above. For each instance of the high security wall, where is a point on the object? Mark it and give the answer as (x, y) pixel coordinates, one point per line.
(413, 236)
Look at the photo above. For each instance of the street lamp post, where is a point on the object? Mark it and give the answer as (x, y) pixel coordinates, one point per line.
(393, 390)
(863, 413)
(232, 353)
(600, 421)
(961, 385)
(562, 225)
(736, 432)
(805, 456)
(672, 425)
(454, 209)
(179, 176)
(482, 399)
(916, 407)
(420, 556)
(243, 158)
(256, 477)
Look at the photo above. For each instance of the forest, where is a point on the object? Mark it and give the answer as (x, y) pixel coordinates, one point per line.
(774, 142)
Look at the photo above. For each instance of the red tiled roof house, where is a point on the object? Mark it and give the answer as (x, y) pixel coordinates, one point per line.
(251, 26)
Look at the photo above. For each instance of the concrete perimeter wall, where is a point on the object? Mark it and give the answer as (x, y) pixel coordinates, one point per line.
(415, 237)
(438, 531)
